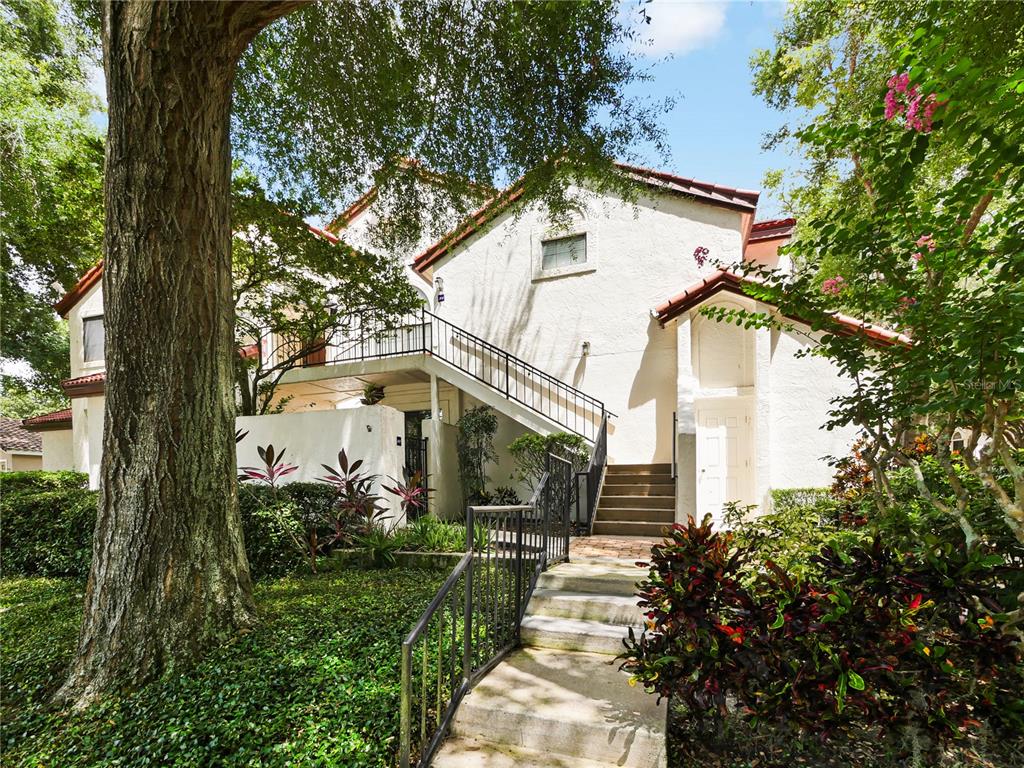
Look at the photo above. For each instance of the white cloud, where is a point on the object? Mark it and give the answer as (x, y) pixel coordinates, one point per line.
(680, 27)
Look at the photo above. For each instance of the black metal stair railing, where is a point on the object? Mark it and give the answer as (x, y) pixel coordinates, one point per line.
(474, 620)
(592, 477)
(514, 378)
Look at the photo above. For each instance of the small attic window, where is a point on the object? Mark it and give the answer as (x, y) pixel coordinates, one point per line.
(93, 341)
(563, 252)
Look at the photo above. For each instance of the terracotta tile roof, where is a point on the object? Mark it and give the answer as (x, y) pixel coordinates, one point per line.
(771, 229)
(731, 282)
(48, 421)
(364, 201)
(83, 386)
(706, 191)
(14, 437)
(85, 282)
(744, 200)
(95, 274)
(347, 216)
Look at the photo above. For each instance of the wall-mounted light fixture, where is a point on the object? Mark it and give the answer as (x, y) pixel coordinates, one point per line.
(369, 428)
(586, 348)
(439, 290)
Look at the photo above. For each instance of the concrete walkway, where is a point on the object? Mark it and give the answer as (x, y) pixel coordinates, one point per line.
(561, 701)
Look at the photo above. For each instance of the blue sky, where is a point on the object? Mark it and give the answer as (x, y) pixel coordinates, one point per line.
(699, 52)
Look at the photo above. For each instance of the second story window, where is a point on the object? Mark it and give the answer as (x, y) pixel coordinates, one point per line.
(563, 252)
(92, 338)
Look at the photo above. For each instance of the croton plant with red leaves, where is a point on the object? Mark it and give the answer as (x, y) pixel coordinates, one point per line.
(881, 639)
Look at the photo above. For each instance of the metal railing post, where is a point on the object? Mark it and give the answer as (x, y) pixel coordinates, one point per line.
(467, 608)
(547, 505)
(519, 572)
(405, 708)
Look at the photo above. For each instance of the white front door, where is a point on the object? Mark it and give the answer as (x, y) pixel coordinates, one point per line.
(725, 455)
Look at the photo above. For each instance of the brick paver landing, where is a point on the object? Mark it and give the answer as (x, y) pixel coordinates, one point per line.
(619, 547)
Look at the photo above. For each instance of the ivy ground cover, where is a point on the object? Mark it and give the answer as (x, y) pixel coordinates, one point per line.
(315, 684)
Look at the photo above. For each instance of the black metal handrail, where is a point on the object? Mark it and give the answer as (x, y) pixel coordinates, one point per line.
(458, 640)
(593, 475)
(517, 380)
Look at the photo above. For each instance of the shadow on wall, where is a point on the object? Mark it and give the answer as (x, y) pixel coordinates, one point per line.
(655, 380)
(503, 314)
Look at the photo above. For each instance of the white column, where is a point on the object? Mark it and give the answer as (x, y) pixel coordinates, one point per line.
(762, 425)
(686, 423)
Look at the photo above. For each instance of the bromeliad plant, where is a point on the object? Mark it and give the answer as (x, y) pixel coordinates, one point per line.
(877, 639)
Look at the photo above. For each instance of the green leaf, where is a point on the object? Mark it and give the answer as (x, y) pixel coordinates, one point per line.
(856, 681)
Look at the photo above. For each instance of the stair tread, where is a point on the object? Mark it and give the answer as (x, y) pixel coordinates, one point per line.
(562, 595)
(566, 686)
(478, 753)
(541, 623)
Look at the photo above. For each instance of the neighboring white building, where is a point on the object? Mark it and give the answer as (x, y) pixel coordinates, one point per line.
(555, 329)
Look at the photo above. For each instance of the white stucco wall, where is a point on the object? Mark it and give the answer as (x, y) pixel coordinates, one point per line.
(637, 257)
(89, 306)
(313, 438)
(801, 390)
(58, 449)
(87, 425)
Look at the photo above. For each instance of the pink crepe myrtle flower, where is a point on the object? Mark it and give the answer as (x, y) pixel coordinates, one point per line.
(833, 285)
(899, 82)
(917, 257)
(902, 98)
(926, 240)
(700, 255)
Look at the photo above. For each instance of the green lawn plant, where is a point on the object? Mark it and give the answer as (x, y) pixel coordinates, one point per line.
(315, 683)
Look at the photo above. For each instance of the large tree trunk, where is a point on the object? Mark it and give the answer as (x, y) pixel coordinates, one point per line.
(169, 574)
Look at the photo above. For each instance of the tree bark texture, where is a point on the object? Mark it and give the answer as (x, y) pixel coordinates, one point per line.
(169, 574)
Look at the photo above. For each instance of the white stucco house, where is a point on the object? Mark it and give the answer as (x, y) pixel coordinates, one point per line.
(595, 328)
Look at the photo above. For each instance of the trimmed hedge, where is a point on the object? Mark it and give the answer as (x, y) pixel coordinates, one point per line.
(48, 520)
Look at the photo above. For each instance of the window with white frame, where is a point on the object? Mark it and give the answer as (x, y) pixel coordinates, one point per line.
(563, 252)
(93, 343)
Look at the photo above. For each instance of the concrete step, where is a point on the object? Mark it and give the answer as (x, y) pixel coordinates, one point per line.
(574, 634)
(608, 609)
(640, 488)
(573, 704)
(477, 753)
(592, 578)
(639, 479)
(609, 527)
(637, 502)
(660, 516)
(639, 469)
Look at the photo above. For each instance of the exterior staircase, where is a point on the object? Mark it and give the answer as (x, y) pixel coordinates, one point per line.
(636, 500)
(561, 701)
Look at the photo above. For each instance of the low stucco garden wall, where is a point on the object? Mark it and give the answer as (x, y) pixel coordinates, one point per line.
(313, 438)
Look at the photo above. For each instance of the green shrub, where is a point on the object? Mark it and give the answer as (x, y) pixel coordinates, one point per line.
(530, 453)
(475, 445)
(316, 683)
(785, 499)
(48, 520)
(794, 531)
(877, 639)
(49, 517)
